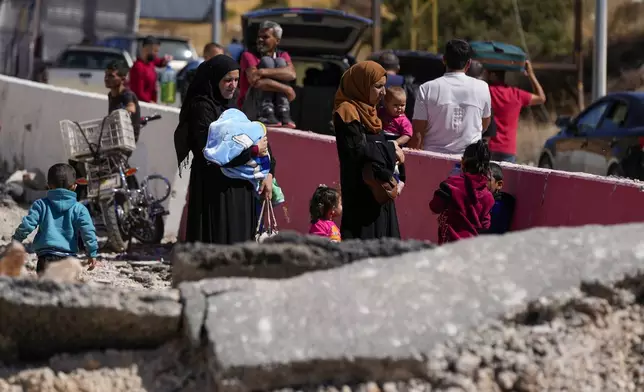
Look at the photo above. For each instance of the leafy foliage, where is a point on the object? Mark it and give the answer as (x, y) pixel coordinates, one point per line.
(547, 24)
(263, 4)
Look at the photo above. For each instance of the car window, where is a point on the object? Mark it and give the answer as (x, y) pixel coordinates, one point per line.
(88, 60)
(318, 73)
(616, 117)
(588, 121)
(179, 50)
(119, 43)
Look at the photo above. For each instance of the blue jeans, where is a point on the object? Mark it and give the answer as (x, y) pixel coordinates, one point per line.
(272, 101)
(502, 157)
(456, 170)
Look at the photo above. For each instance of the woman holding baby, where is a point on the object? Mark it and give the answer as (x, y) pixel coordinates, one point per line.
(221, 210)
(367, 159)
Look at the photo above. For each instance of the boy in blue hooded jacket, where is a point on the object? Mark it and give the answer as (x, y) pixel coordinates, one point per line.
(59, 218)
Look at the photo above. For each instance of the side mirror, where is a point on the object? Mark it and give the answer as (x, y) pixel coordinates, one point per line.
(563, 121)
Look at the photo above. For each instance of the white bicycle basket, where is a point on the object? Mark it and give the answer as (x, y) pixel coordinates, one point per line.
(83, 137)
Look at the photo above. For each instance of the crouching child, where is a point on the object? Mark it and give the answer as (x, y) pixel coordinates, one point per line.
(503, 210)
(59, 218)
(463, 202)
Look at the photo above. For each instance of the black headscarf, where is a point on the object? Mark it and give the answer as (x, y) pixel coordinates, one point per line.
(204, 87)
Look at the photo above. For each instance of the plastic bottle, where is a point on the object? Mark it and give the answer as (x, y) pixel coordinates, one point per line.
(168, 85)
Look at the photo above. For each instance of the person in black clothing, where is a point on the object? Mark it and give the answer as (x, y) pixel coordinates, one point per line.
(221, 210)
(362, 145)
(503, 210)
(120, 97)
(476, 71)
(211, 50)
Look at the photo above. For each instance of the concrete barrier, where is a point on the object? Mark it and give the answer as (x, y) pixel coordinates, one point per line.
(544, 197)
(30, 135)
(30, 139)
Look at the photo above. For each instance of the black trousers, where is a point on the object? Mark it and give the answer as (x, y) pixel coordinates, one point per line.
(45, 260)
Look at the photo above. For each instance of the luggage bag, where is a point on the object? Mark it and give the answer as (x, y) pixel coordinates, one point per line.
(499, 56)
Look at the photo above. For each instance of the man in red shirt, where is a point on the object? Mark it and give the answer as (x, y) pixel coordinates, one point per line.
(264, 92)
(507, 102)
(143, 75)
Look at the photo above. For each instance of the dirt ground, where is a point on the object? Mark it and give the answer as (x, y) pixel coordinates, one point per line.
(143, 267)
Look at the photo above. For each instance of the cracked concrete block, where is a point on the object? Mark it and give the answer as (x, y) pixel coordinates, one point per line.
(286, 255)
(378, 319)
(39, 318)
(194, 298)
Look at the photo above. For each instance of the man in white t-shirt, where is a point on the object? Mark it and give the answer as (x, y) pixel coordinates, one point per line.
(453, 111)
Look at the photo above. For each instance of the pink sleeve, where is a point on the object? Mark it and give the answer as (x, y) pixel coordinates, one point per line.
(488, 203)
(524, 97)
(321, 228)
(248, 60)
(404, 126)
(286, 57)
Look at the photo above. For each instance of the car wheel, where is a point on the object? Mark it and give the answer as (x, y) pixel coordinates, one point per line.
(545, 162)
(615, 170)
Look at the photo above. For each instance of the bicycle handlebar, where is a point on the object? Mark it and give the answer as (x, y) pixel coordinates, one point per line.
(146, 119)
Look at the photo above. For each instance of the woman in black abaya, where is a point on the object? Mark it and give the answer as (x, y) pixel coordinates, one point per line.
(360, 140)
(221, 210)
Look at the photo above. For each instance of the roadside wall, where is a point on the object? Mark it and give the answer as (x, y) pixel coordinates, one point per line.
(30, 138)
(544, 197)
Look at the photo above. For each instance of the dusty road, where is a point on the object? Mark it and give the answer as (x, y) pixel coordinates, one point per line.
(143, 267)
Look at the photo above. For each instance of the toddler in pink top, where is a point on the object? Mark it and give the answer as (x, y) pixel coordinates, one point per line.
(396, 125)
(394, 122)
(326, 204)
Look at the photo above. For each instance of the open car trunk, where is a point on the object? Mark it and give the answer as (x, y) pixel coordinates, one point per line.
(308, 31)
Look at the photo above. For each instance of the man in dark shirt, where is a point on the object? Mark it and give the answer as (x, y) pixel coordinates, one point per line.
(120, 97)
(391, 63)
(211, 50)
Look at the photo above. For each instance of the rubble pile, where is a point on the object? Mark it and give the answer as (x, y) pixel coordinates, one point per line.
(540, 310)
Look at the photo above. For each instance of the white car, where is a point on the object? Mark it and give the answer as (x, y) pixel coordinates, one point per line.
(83, 67)
(179, 48)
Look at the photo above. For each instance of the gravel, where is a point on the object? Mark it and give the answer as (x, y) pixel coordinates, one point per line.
(143, 267)
(588, 338)
(10, 217)
(170, 368)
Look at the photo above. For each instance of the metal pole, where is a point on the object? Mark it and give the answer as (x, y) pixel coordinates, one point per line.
(435, 26)
(601, 40)
(216, 21)
(34, 39)
(579, 53)
(89, 20)
(133, 17)
(377, 26)
(413, 37)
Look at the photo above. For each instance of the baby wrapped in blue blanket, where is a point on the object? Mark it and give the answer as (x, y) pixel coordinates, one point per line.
(231, 134)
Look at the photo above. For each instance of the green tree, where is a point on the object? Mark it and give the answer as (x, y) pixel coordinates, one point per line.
(263, 4)
(547, 24)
